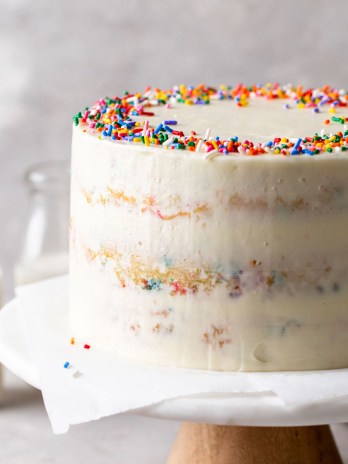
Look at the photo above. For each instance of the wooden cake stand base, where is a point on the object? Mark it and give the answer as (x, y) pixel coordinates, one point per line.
(219, 444)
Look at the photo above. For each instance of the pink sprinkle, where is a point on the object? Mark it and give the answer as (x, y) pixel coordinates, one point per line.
(146, 127)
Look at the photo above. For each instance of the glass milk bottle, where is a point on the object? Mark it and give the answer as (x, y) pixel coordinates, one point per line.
(45, 247)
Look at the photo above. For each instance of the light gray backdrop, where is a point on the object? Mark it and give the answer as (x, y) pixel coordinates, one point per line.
(58, 56)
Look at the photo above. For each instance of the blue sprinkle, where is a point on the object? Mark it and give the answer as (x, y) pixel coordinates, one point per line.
(153, 284)
(297, 144)
(316, 110)
(110, 130)
(269, 144)
(66, 365)
(295, 152)
(170, 122)
(308, 152)
(168, 129)
(103, 110)
(287, 106)
(158, 128)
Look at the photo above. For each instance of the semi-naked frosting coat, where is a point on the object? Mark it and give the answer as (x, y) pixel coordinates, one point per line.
(232, 263)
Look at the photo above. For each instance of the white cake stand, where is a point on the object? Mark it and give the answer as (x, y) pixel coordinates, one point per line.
(245, 428)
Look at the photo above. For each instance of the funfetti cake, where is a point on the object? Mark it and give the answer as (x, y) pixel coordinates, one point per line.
(209, 227)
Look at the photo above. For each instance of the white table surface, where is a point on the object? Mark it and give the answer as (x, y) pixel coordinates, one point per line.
(27, 437)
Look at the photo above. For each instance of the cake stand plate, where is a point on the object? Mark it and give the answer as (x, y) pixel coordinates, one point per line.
(212, 432)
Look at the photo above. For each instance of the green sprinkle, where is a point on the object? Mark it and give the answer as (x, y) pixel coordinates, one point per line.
(336, 119)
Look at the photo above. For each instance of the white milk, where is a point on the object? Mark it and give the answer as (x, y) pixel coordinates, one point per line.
(43, 267)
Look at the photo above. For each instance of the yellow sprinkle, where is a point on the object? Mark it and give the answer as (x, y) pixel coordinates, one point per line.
(332, 110)
(301, 105)
(146, 140)
(107, 120)
(188, 102)
(277, 151)
(216, 146)
(284, 141)
(137, 139)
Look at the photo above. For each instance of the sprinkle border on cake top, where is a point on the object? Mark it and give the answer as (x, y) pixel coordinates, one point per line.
(111, 118)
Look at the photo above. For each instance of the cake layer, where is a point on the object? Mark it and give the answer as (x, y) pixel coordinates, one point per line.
(269, 205)
(256, 331)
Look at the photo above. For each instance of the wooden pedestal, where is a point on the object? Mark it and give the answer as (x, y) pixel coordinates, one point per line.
(215, 444)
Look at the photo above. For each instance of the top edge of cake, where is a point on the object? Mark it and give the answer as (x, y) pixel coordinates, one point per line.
(227, 121)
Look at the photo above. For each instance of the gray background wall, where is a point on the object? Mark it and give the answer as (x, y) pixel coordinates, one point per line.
(58, 56)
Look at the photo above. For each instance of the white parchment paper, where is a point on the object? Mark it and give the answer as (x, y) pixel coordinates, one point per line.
(96, 384)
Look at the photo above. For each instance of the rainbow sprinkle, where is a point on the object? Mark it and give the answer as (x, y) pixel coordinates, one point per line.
(112, 118)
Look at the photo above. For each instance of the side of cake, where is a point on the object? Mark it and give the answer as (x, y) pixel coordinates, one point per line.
(225, 253)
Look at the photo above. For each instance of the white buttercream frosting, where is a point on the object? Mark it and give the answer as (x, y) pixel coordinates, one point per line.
(238, 263)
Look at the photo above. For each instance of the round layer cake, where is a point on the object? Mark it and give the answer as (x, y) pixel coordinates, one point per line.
(209, 227)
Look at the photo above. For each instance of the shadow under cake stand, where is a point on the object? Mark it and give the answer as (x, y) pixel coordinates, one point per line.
(244, 428)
